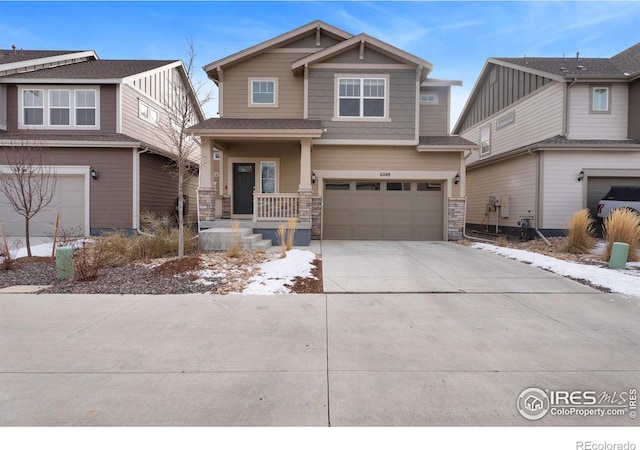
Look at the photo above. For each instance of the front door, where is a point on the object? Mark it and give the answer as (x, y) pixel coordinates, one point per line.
(244, 181)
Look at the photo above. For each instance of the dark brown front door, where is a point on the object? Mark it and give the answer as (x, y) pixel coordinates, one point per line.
(244, 181)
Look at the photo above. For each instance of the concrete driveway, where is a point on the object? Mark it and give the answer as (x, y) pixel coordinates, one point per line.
(413, 359)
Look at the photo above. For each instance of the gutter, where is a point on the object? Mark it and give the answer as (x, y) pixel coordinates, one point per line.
(537, 205)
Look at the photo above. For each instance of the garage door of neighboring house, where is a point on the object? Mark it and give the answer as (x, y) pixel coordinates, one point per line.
(383, 210)
(69, 200)
(598, 187)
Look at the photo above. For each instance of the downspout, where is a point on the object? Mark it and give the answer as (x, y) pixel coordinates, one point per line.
(537, 205)
(464, 221)
(565, 125)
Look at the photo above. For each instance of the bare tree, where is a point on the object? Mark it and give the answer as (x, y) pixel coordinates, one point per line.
(184, 101)
(29, 182)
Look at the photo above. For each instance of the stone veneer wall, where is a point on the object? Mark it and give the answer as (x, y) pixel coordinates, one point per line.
(206, 199)
(226, 207)
(316, 218)
(455, 211)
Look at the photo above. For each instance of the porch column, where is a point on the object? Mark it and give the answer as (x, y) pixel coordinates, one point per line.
(305, 189)
(206, 195)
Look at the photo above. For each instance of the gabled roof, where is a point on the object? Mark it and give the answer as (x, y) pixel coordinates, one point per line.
(101, 69)
(629, 60)
(13, 56)
(368, 41)
(277, 41)
(567, 67)
(24, 60)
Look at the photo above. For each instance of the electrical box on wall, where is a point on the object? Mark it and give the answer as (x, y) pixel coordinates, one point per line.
(494, 200)
(504, 205)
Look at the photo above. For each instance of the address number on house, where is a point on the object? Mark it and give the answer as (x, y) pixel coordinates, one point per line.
(385, 174)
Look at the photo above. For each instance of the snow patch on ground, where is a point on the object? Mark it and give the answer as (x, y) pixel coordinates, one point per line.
(277, 274)
(18, 250)
(620, 281)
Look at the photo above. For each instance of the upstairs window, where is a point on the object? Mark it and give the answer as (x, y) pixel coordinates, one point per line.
(600, 99)
(485, 140)
(263, 92)
(55, 108)
(429, 99)
(147, 113)
(362, 97)
(59, 108)
(33, 106)
(85, 108)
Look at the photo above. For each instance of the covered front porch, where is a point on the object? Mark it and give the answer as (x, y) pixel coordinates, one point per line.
(257, 172)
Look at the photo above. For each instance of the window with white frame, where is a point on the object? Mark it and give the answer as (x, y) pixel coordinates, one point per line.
(147, 113)
(485, 140)
(53, 107)
(33, 107)
(600, 99)
(505, 120)
(268, 177)
(263, 92)
(429, 99)
(85, 108)
(362, 97)
(59, 107)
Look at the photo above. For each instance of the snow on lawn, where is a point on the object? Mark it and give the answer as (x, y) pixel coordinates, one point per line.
(43, 249)
(278, 273)
(621, 281)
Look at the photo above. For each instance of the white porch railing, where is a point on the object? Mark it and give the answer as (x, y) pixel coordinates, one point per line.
(274, 206)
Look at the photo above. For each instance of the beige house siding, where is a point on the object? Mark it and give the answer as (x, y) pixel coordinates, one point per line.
(586, 125)
(352, 56)
(159, 187)
(137, 128)
(3, 107)
(290, 90)
(536, 118)
(515, 178)
(402, 111)
(634, 110)
(385, 160)
(310, 42)
(563, 194)
(434, 119)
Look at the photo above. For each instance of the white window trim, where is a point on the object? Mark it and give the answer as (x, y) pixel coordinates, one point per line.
(506, 120)
(275, 93)
(592, 89)
(76, 107)
(142, 105)
(361, 76)
(46, 117)
(275, 180)
(71, 98)
(488, 140)
(424, 98)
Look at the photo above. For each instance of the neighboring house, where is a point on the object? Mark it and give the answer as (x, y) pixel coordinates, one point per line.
(345, 133)
(102, 117)
(554, 134)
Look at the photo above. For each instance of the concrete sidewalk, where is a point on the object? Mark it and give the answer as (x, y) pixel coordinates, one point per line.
(312, 360)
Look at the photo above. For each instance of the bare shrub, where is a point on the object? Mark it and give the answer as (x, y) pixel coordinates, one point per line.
(622, 225)
(502, 241)
(292, 225)
(233, 250)
(580, 233)
(282, 236)
(87, 260)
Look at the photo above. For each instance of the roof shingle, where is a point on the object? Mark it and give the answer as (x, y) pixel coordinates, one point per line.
(258, 124)
(96, 69)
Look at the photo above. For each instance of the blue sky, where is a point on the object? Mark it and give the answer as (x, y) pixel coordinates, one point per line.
(457, 37)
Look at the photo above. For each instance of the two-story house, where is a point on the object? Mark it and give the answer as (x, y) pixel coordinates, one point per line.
(554, 135)
(344, 132)
(103, 127)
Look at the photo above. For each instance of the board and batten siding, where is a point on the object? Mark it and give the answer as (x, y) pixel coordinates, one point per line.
(290, 90)
(563, 194)
(160, 85)
(402, 110)
(384, 159)
(536, 118)
(586, 125)
(3, 107)
(159, 187)
(515, 177)
(434, 119)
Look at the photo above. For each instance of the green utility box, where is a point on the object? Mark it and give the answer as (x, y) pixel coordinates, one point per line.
(64, 263)
(619, 255)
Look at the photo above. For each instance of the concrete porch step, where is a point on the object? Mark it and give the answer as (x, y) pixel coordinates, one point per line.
(214, 239)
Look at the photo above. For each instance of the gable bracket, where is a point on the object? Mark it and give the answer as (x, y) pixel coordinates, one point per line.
(317, 36)
(362, 50)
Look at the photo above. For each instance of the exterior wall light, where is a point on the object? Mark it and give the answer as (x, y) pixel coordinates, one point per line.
(456, 179)
(313, 178)
(581, 175)
(94, 174)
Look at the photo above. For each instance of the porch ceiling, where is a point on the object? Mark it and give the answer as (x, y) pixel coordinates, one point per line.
(258, 129)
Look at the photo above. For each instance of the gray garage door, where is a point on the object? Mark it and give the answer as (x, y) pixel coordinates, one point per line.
(383, 210)
(599, 186)
(69, 201)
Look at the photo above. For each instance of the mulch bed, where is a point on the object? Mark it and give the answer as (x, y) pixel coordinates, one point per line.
(309, 285)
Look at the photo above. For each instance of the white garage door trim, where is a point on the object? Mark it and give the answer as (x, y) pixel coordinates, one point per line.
(408, 175)
(71, 170)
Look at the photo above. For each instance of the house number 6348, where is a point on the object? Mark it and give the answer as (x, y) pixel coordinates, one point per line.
(385, 174)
